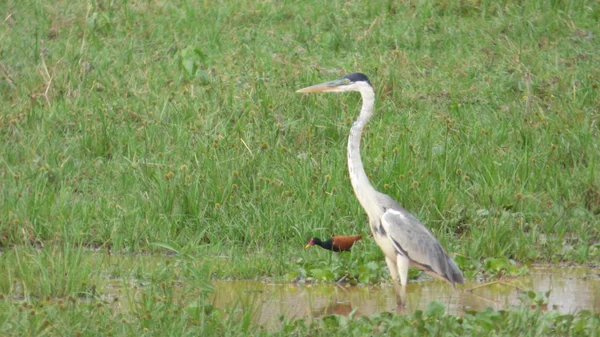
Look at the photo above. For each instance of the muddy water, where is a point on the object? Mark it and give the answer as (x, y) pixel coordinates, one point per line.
(571, 289)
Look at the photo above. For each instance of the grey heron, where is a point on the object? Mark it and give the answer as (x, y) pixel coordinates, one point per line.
(404, 240)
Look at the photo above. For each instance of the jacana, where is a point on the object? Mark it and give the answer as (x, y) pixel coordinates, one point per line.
(338, 243)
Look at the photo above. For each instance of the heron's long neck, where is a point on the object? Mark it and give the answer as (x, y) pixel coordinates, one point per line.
(360, 182)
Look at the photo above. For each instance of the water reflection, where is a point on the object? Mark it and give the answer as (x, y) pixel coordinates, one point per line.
(571, 289)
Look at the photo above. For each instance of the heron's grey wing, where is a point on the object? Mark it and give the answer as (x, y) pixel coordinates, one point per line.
(413, 240)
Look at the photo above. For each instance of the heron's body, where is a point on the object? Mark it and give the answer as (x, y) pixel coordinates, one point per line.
(404, 240)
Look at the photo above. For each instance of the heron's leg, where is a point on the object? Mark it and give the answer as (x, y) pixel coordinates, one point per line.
(403, 264)
(393, 268)
(399, 288)
(400, 291)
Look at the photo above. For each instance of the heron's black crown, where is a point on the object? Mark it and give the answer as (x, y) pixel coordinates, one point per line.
(358, 77)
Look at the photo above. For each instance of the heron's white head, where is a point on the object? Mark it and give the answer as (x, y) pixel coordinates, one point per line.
(352, 82)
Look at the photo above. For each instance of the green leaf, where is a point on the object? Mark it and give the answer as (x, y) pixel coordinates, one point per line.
(435, 309)
(322, 274)
(165, 246)
(189, 66)
(91, 21)
(373, 265)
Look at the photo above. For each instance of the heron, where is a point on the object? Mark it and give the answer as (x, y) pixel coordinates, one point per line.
(403, 239)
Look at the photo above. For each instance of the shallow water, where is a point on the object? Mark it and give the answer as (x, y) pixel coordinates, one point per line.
(571, 289)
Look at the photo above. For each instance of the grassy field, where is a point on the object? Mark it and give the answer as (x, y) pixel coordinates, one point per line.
(134, 127)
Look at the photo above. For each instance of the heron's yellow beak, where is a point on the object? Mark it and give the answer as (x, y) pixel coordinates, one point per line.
(324, 87)
(308, 246)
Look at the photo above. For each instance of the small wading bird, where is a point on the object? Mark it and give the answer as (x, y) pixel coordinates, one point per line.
(404, 240)
(338, 243)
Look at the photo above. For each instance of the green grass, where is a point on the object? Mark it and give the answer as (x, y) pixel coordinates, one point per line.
(152, 126)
